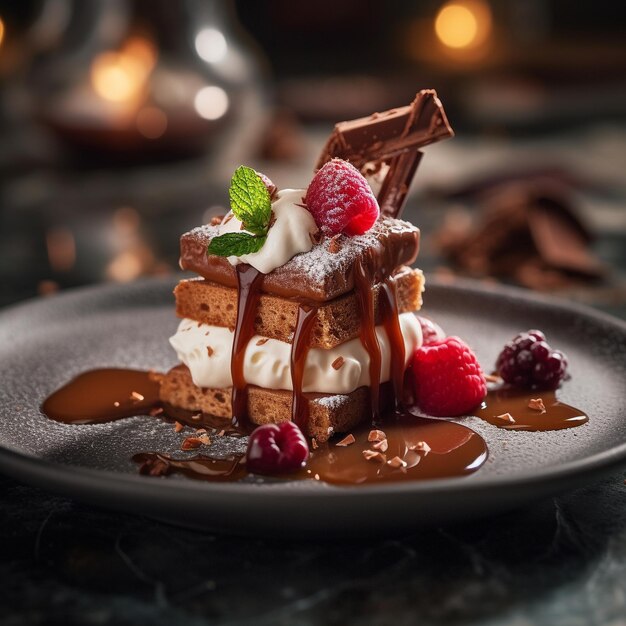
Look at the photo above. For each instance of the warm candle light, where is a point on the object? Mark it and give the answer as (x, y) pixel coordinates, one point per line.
(463, 24)
(1, 31)
(121, 76)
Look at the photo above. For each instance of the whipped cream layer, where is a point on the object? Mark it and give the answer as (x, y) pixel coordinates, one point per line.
(206, 351)
(289, 234)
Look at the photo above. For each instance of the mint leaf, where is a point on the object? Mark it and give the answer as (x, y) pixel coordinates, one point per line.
(235, 244)
(250, 200)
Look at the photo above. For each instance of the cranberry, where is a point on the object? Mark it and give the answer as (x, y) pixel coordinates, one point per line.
(276, 448)
(431, 331)
(529, 361)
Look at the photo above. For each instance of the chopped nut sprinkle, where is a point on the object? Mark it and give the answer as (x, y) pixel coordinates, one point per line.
(210, 350)
(157, 410)
(348, 440)
(373, 455)
(116, 404)
(396, 463)
(262, 341)
(333, 245)
(376, 435)
(506, 417)
(216, 220)
(135, 395)
(338, 362)
(314, 444)
(221, 433)
(381, 445)
(536, 404)
(191, 443)
(420, 446)
(197, 417)
(178, 427)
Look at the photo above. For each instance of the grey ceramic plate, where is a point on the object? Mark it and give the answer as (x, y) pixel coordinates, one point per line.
(44, 343)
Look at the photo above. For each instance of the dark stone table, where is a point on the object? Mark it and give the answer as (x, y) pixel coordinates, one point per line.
(559, 562)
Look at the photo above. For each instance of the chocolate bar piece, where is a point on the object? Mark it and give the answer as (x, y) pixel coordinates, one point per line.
(392, 138)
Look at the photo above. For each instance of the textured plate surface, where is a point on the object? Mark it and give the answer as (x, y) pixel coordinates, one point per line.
(45, 343)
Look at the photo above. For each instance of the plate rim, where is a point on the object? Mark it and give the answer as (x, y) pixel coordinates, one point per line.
(62, 477)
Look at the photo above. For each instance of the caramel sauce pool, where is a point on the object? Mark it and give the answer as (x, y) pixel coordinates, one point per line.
(105, 395)
(451, 449)
(504, 399)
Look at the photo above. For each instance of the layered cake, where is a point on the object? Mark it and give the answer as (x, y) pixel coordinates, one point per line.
(303, 308)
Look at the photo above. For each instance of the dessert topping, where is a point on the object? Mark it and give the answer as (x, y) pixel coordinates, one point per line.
(289, 233)
(251, 204)
(376, 435)
(448, 379)
(397, 463)
(529, 361)
(381, 446)
(348, 440)
(536, 404)
(340, 200)
(276, 448)
(372, 455)
(420, 446)
(506, 417)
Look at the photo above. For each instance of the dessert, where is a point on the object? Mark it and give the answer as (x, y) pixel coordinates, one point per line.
(312, 319)
(300, 332)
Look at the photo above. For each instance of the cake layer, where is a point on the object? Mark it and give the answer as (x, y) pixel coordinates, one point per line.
(336, 321)
(328, 414)
(323, 273)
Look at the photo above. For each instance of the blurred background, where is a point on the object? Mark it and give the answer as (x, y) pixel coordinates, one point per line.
(121, 122)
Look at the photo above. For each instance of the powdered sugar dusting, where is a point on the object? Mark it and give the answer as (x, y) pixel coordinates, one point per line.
(326, 268)
(332, 403)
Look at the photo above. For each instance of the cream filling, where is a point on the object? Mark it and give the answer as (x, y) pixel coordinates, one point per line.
(206, 351)
(289, 234)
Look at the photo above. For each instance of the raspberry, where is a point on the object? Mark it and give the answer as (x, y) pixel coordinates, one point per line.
(276, 448)
(340, 200)
(529, 361)
(431, 331)
(448, 378)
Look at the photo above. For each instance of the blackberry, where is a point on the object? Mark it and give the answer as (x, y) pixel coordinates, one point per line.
(529, 361)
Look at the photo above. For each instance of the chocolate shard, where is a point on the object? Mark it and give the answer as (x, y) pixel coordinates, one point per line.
(393, 139)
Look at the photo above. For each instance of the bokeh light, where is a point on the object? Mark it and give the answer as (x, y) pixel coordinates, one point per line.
(463, 24)
(211, 103)
(211, 45)
(151, 122)
(121, 76)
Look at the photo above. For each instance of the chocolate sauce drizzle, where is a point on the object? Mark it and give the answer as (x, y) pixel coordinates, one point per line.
(388, 298)
(299, 351)
(248, 293)
(363, 280)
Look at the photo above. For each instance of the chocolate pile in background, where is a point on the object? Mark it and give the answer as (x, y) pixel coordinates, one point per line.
(527, 232)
